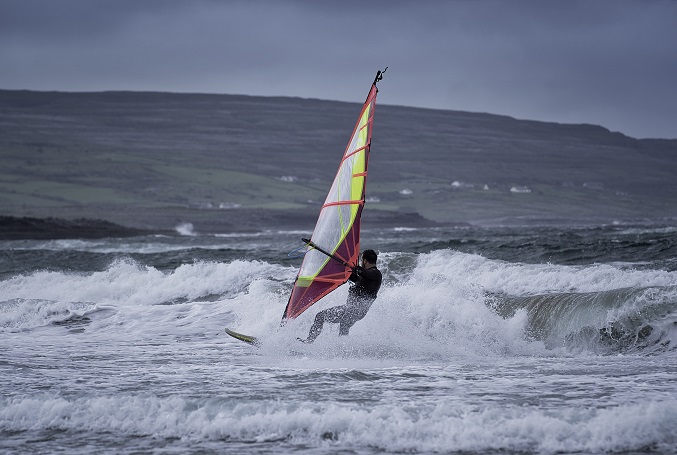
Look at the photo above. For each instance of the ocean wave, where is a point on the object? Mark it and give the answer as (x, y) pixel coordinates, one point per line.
(619, 320)
(138, 245)
(446, 302)
(442, 426)
(618, 309)
(23, 314)
(130, 288)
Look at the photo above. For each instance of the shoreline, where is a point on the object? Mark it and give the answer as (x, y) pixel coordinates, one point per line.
(169, 222)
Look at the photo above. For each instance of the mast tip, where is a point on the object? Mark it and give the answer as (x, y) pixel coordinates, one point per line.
(379, 75)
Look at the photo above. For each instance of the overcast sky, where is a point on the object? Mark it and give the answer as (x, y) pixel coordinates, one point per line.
(606, 62)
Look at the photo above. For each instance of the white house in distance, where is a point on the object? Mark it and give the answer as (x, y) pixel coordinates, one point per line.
(520, 189)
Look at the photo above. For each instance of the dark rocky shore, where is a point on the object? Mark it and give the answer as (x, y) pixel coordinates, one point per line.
(203, 221)
(20, 228)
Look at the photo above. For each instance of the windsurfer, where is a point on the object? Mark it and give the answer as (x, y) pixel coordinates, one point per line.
(367, 279)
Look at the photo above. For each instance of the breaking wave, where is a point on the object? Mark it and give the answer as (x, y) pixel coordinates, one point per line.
(446, 302)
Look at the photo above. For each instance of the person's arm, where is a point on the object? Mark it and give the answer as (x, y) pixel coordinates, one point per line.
(356, 276)
(361, 274)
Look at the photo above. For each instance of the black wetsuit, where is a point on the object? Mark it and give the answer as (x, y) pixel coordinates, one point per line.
(360, 297)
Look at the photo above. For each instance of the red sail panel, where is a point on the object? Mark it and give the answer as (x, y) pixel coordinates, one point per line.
(337, 230)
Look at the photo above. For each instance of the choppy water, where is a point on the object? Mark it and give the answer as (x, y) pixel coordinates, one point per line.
(499, 340)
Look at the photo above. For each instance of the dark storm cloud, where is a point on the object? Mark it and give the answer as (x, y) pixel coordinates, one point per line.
(70, 19)
(605, 62)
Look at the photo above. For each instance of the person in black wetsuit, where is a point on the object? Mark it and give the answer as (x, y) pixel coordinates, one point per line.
(361, 295)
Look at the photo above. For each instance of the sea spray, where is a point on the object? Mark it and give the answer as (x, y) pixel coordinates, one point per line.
(463, 351)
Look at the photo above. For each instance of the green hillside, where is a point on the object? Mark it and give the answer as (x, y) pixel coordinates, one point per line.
(150, 159)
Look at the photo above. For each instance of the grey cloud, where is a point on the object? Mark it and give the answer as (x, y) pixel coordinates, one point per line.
(605, 62)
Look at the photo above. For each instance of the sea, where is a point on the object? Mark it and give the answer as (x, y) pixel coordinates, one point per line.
(483, 340)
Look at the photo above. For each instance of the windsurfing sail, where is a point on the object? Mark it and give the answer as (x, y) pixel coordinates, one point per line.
(334, 246)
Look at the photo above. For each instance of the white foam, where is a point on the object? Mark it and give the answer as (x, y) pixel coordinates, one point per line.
(186, 229)
(533, 279)
(22, 314)
(140, 294)
(440, 425)
(141, 245)
(435, 311)
(438, 307)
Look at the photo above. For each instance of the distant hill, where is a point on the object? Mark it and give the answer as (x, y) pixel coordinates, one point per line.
(149, 160)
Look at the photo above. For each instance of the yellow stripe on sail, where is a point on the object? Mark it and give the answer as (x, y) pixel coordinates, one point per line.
(359, 163)
(304, 281)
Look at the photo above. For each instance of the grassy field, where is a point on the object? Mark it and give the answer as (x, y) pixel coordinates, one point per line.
(126, 156)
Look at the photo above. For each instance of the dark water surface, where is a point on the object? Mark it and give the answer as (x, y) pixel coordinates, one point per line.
(482, 340)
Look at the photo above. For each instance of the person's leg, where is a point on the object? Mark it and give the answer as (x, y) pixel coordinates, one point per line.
(332, 315)
(316, 328)
(350, 316)
(344, 327)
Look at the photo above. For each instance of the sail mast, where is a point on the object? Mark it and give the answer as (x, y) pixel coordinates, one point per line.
(335, 244)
